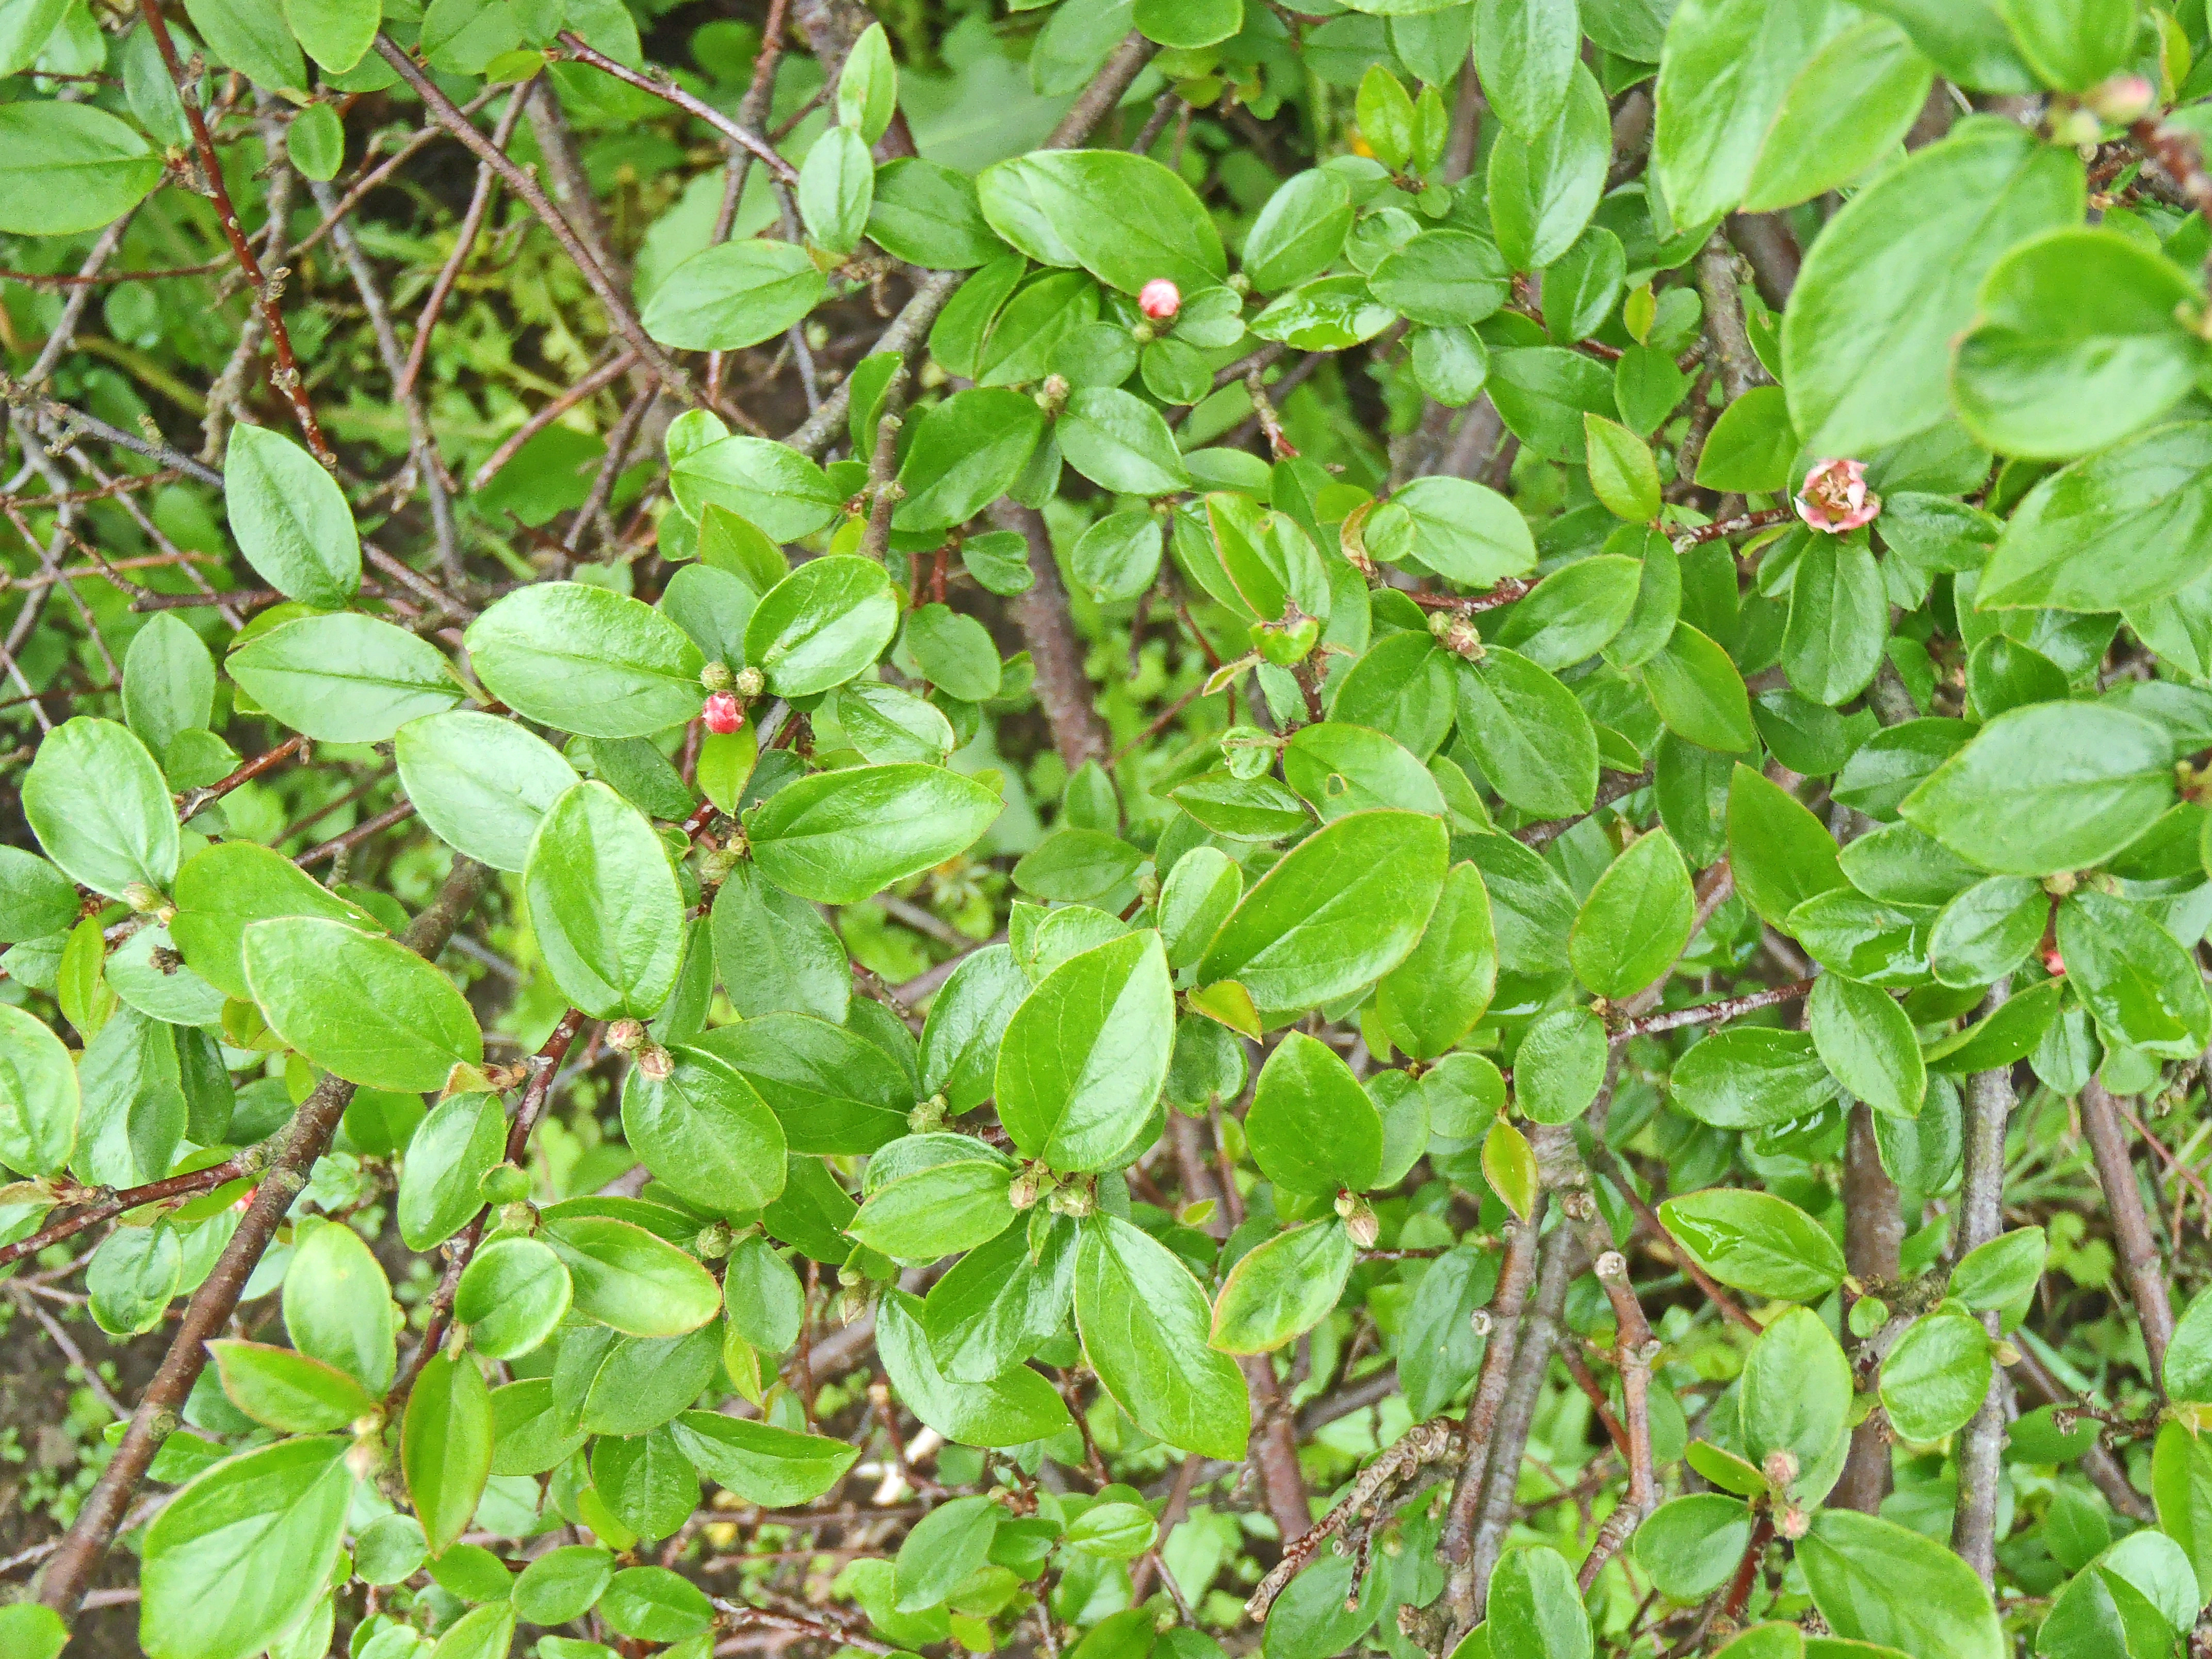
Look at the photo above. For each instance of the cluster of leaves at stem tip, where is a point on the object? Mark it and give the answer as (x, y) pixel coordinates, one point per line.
(1109, 828)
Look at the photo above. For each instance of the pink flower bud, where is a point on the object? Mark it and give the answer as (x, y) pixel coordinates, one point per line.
(721, 713)
(1160, 299)
(1835, 497)
(2122, 98)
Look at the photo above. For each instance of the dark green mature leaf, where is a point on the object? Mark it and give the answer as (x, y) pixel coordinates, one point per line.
(1535, 1611)
(1144, 1324)
(821, 624)
(445, 1446)
(1124, 218)
(1343, 908)
(1892, 279)
(586, 659)
(1008, 1410)
(1874, 1581)
(1085, 1053)
(1312, 1127)
(2077, 345)
(1635, 919)
(1747, 1076)
(1756, 1242)
(705, 1132)
(38, 1095)
(2133, 975)
(777, 490)
(966, 452)
(1535, 742)
(1691, 1546)
(627, 1279)
(2121, 529)
(1867, 1041)
(762, 1463)
(1433, 999)
(1544, 188)
(480, 782)
(838, 837)
(833, 1090)
(2048, 787)
(1726, 68)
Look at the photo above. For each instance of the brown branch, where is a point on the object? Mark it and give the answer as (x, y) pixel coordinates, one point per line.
(579, 50)
(1610, 788)
(1063, 691)
(624, 320)
(2140, 1262)
(61, 1584)
(472, 223)
(1711, 1013)
(1105, 90)
(1422, 1444)
(1501, 1323)
(286, 376)
(1874, 1233)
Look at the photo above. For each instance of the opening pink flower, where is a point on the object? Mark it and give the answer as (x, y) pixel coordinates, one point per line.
(1159, 300)
(1835, 497)
(721, 713)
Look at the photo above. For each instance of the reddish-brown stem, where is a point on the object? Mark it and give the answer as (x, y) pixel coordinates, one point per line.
(472, 227)
(287, 377)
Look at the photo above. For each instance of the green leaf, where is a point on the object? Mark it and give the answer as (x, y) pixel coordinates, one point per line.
(1623, 474)
(627, 1279)
(337, 34)
(337, 1305)
(2117, 531)
(1867, 1041)
(834, 1090)
(261, 1527)
(28, 1631)
(1794, 1396)
(1385, 115)
(1755, 1242)
(367, 1009)
(1699, 693)
(1751, 445)
(605, 904)
(1635, 919)
(1282, 1288)
(1124, 218)
(36, 899)
(1892, 279)
(954, 652)
(1724, 73)
(1935, 1378)
(927, 214)
(735, 295)
(1328, 315)
(759, 1462)
(131, 1278)
(1838, 620)
(562, 1584)
(97, 803)
(287, 1391)
(947, 1545)
(1442, 277)
(1312, 1125)
(168, 683)
(1341, 909)
(511, 1297)
(966, 452)
(586, 659)
(821, 624)
(2071, 46)
(1439, 1350)
(1526, 55)
(1535, 1610)
(1874, 1581)
(1433, 999)
(1144, 1324)
(447, 1156)
(290, 518)
(2002, 1272)
(793, 961)
(705, 1132)
(224, 888)
(998, 1304)
(481, 783)
(1747, 1077)
(1468, 533)
(1544, 189)
(2048, 787)
(1534, 742)
(836, 187)
(69, 167)
(1119, 442)
(1300, 231)
(1781, 855)
(2077, 346)
(343, 678)
(1691, 1546)
(960, 1040)
(937, 1211)
(445, 1446)
(2133, 975)
(1847, 108)
(24, 30)
(38, 1098)
(838, 837)
(1008, 1410)
(1085, 1055)
(770, 486)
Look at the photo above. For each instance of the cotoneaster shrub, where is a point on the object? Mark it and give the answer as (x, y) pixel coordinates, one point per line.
(1110, 829)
